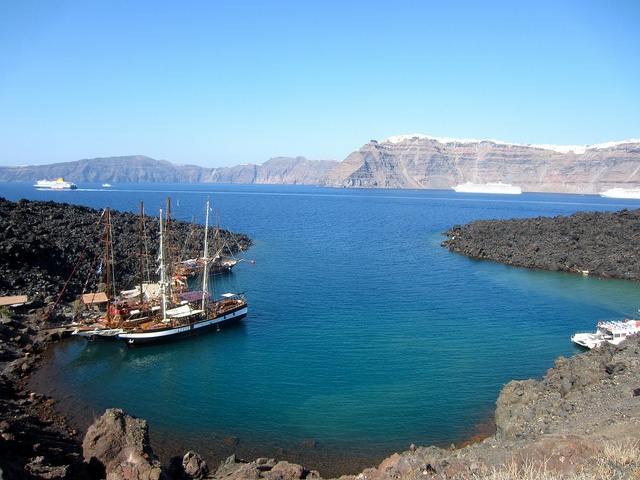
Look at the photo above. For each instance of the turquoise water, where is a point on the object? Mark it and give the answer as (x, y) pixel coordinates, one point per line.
(364, 335)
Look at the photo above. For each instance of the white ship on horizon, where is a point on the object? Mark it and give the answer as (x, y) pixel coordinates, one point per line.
(495, 187)
(59, 184)
(621, 193)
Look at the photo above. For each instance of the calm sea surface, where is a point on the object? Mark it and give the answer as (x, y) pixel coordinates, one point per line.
(364, 335)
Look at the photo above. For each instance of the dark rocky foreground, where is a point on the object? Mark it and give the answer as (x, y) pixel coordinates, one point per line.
(45, 244)
(567, 423)
(605, 244)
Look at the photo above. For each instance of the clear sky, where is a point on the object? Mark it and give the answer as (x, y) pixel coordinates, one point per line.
(225, 82)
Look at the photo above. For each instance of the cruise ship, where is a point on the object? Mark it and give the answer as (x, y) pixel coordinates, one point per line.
(497, 187)
(621, 193)
(59, 184)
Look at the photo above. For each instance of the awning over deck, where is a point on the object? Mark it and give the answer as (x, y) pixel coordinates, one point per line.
(14, 300)
(96, 297)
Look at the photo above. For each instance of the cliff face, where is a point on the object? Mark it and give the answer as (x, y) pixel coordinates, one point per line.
(423, 162)
(279, 170)
(141, 169)
(411, 161)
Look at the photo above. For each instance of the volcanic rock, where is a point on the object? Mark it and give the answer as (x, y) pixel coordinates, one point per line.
(44, 245)
(605, 244)
(117, 445)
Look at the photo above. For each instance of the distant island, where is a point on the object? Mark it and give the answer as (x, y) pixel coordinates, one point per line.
(407, 161)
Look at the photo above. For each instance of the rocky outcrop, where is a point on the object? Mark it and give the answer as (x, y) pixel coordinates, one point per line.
(43, 243)
(116, 447)
(235, 469)
(530, 409)
(605, 244)
(418, 161)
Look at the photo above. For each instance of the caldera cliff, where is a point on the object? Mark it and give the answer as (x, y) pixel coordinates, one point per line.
(419, 161)
(405, 161)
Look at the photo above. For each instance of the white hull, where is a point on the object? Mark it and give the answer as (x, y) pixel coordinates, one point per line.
(614, 332)
(59, 184)
(162, 335)
(621, 193)
(493, 188)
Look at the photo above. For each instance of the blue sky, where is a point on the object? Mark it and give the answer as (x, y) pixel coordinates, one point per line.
(220, 83)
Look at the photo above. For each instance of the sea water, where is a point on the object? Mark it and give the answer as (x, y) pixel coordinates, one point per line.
(364, 335)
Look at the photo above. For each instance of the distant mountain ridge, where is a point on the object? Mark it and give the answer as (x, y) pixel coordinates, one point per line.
(142, 169)
(404, 161)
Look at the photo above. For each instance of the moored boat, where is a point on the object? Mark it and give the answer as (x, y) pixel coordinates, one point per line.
(621, 193)
(198, 314)
(221, 262)
(495, 188)
(120, 312)
(59, 184)
(187, 321)
(610, 331)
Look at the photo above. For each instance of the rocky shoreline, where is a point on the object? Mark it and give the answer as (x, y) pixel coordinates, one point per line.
(41, 244)
(605, 244)
(567, 423)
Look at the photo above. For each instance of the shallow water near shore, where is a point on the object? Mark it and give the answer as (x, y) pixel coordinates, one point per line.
(364, 335)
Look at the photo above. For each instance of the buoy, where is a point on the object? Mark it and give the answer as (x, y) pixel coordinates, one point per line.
(253, 262)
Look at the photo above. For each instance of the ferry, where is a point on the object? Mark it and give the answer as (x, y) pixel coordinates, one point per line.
(621, 193)
(59, 184)
(496, 187)
(611, 331)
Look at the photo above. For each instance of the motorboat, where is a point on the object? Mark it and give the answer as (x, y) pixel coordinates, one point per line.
(611, 331)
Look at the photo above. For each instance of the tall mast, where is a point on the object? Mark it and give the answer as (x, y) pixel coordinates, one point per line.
(218, 240)
(141, 254)
(107, 259)
(163, 284)
(169, 254)
(205, 276)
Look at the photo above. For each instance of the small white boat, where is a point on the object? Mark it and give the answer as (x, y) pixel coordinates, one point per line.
(97, 333)
(59, 184)
(497, 187)
(106, 184)
(621, 193)
(611, 331)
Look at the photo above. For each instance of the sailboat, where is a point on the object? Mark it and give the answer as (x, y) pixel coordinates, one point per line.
(196, 316)
(221, 262)
(121, 314)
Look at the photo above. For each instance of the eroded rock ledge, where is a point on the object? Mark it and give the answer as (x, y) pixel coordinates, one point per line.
(605, 244)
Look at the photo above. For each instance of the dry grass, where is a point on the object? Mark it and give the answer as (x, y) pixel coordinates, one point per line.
(620, 460)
